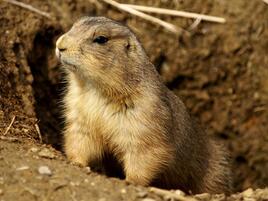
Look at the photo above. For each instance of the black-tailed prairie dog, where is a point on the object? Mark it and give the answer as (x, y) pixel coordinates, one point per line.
(116, 104)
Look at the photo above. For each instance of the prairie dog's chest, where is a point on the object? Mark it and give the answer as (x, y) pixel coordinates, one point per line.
(100, 117)
(93, 108)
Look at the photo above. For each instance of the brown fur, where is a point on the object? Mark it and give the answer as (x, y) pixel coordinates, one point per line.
(117, 104)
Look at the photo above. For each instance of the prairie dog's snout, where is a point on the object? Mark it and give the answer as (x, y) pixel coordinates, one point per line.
(63, 45)
(59, 48)
(68, 51)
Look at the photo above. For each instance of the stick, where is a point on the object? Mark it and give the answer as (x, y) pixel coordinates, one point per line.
(265, 1)
(39, 133)
(195, 24)
(10, 139)
(170, 194)
(29, 7)
(132, 11)
(177, 13)
(9, 126)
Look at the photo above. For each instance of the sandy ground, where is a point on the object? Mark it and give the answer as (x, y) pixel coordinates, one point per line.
(30, 171)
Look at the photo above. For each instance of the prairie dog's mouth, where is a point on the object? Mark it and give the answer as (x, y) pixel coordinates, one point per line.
(64, 61)
(68, 64)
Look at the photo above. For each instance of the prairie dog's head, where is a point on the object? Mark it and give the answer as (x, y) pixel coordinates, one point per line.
(101, 50)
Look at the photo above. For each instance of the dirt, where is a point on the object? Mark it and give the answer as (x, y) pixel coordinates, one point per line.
(24, 180)
(220, 72)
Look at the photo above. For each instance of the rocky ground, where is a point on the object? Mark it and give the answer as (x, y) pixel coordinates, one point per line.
(220, 72)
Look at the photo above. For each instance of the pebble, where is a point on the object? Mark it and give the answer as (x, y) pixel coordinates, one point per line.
(249, 199)
(46, 153)
(36, 157)
(148, 199)
(34, 149)
(92, 184)
(203, 196)
(168, 198)
(44, 170)
(74, 183)
(88, 170)
(219, 197)
(23, 180)
(248, 192)
(23, 168)
(1, 191)
(123, 191)
(142, 194)
(179, 192)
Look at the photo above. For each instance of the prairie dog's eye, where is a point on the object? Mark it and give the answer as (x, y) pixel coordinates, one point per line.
(100, 39)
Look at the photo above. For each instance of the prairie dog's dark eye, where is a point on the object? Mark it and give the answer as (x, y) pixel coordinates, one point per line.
(100, 40)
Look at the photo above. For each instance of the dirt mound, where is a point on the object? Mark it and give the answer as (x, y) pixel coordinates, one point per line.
(220, 71)
(38, 172)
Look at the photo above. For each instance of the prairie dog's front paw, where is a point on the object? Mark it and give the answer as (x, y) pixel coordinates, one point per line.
(138, 180)
(77, 161)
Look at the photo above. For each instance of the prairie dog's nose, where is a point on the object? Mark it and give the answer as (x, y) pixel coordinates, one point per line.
(60, 44)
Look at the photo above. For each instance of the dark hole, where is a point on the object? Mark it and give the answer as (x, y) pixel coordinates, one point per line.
(224, 136)
(47, 85)
(16, 48)
(174, 84)
(240, 159)
(159, 62)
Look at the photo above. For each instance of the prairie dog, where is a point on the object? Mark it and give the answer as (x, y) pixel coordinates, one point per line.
(117, 104)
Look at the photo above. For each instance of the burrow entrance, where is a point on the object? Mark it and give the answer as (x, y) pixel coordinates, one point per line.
(48, 85)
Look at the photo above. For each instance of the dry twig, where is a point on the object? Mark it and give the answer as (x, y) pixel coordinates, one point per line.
(170, 195)
(10, 139)
(177, 13)
(28, 7)
(195, 24)
(39, 133)
(133, 11)
(9, 126)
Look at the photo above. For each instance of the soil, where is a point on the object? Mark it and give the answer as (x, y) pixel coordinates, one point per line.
(220, 72)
